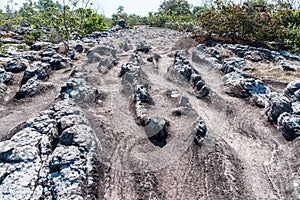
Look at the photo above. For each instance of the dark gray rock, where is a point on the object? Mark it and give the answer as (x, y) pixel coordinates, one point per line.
(133, 70)
(156, 130)
(28, 55)
(49, 52)
(16, 65)
(253, 53)
(239, 86)
(79, 48)
(106, 64)
(5, 77)
(253, 56)
(122, 23)
(3, 89)
(185, 102)
(214, 53)
(286, 66)
(292, 90)
(58, 62)
(199, 131)
(289, 125)
(71, 54)
(39, 45)
(183, 68)
(233, 64)
(200, 56)
(38, 70)
(125, 46)
(78, 90)
(143, 47)
(141, 94)
(136, 58)
(289, 55)
(277, 105)
(94, 55)
(32, 87)
(48, 162)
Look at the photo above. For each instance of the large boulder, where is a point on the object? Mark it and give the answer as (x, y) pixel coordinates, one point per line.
(5, 76)
(125, 46)
(95, 54)
(233, 64)
(80, 91)
(277, 105)
(289, 125)
(46, 162)
(106, 63)
(292, 90)
(58, 62)
(122, 23)
(40, 45)
(156, 130)
(16, 65)
(143, 47)
(32, 87)
(239, 86)
(38, 70)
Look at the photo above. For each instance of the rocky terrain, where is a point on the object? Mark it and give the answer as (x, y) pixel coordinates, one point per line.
(147, 113)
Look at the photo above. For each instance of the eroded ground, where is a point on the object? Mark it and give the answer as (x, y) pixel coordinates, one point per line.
(242, 156)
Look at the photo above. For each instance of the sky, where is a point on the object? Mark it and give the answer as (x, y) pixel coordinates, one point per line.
(108, 7)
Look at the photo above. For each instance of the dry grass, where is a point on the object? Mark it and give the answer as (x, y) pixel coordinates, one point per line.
(184, 43)
(267, 71)
(226, 53)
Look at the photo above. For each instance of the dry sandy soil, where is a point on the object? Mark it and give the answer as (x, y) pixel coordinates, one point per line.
(243, 156)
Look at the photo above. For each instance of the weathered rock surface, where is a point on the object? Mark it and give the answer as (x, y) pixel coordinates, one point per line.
(54, 154)
(278, 104)
(42, 161)
(233, 64)
(39, 45)
(32, 87)
(38, 70)
(199, 131)
(125, 46)
(5, 76)
(239, 86)
(58, 62)
(16, 65)
(143, 47)
(289, 125)
(183, 70)
(95, 54)
(293, 90)
(106, 64)
(80, 91)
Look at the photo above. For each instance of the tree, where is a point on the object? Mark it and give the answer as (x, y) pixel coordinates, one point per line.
(174, 14)
(175, 7)
(120, 10)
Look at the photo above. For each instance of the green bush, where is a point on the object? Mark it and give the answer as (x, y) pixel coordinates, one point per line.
(257, 22)
(33, 36)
